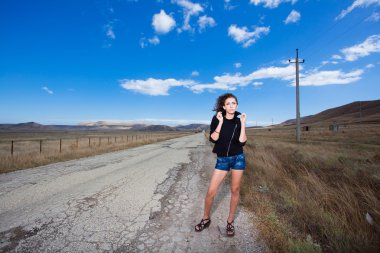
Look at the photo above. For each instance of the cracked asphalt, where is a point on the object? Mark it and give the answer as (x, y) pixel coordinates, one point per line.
(145, 199)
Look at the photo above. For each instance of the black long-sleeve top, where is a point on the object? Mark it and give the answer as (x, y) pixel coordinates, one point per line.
(228, 143)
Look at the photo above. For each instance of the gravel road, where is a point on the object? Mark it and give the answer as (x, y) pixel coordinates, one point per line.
(145, 199)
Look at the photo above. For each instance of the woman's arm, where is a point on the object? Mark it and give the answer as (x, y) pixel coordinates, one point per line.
(215, 134)
(243, 135)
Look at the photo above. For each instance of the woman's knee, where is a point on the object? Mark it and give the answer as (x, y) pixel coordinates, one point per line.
(211, 193)
(235, 189)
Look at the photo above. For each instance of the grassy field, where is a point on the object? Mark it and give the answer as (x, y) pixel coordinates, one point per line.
(35, 149)
(322, 195)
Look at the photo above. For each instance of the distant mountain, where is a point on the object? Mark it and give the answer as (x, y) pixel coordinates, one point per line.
(96, 126)
(360, 111)
(199, 127)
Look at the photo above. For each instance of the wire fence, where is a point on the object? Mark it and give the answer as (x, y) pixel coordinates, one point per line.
(60, 145)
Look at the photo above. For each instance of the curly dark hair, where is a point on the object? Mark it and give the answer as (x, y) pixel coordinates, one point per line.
(218, 107)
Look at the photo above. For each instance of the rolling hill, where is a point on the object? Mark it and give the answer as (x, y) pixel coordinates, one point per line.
(355, 112)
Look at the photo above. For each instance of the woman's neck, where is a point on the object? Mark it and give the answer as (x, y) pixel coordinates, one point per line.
(230, 116)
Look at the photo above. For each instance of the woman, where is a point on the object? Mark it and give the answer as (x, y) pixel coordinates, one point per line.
(227, 131)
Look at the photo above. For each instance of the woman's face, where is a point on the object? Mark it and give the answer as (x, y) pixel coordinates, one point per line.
(230, 105)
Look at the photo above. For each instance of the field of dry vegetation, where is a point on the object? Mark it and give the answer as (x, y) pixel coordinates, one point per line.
(36, 149)
(322, 195)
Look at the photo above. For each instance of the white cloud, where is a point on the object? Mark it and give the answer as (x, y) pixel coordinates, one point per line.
(329, 62)
(336, 57)
(271, 3)
(283, 73)
(143, 43)
(374, 17)
(109, 31)
(237, 65)
(228, 5)
(163, 23)
(293, 17)
(356, 4)
(230, 82)
(154, 40)
(245, 37)
(189, 9)
(154, 87)
(369, 66)
(194, 73)
(370, 45)
(47, 90)
(319, 78)
(205, 21)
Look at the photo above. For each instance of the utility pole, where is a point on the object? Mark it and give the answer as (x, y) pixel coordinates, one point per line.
(360, 115)
(298, 128)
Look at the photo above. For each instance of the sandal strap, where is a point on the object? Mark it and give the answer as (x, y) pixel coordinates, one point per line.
(203, 223)
(230, 226)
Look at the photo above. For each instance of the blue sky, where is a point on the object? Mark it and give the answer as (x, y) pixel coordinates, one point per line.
(166, 62)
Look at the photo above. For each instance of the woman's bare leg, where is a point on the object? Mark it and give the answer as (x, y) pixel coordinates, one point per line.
(236, 176)
(216, 178)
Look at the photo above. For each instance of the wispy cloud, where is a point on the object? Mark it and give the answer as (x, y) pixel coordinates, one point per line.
(205, 21)
(374, 17)
(243, 36)
(163, 23)
(370, 45)
(271, 3)
(319, 78)
(154, 87)
(195, 73)
(356, 4)
(154, 40)
(230, 82)
(237, 65)
(293, 17)
(189, 9)
(228, 5)
(45, 88)
(109, 31)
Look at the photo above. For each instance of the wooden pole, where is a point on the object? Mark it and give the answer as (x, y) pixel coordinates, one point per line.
(12, 148)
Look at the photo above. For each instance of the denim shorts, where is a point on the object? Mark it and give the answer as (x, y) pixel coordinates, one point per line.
(235, 162)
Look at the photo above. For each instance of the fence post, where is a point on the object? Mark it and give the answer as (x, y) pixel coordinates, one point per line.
(40, 146)
(89, 142)
(108, 140)
(100, 141)
(115, 139)
(77, 144)
(60, 145)
(12, 148)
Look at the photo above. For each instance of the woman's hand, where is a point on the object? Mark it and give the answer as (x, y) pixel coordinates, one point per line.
(219, 116)
(243, 118)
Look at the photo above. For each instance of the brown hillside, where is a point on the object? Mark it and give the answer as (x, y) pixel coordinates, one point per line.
(360, 111)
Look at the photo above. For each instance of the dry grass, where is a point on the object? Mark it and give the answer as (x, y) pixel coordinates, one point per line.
(314, 196)
(74, 145)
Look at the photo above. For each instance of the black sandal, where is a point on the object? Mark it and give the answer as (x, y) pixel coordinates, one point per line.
(230, 229)
(202, 225)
